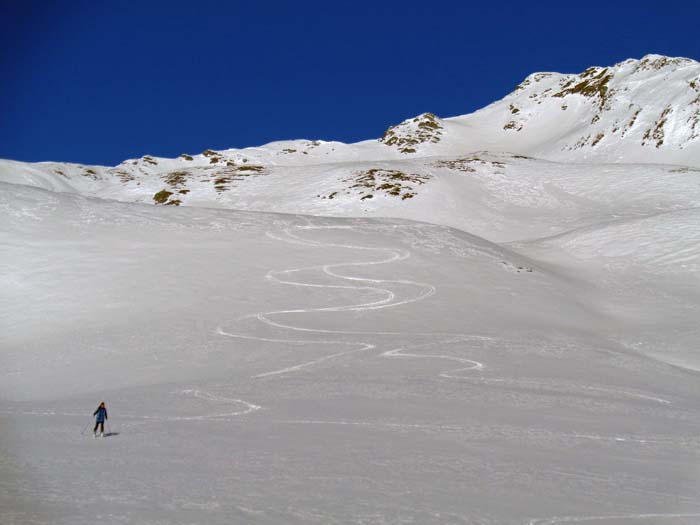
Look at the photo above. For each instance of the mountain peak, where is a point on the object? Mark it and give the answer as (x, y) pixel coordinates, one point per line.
(638, 110)
(653, 61)
(644, 109)
(425, 128)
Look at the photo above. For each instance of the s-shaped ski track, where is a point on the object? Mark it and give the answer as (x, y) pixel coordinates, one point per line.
(378, 286)
(389, 300)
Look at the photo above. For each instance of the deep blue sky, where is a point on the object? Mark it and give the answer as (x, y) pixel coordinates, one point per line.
(99, 82)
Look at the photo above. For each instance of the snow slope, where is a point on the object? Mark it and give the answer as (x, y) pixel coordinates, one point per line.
(271, 368)
(499, 196)
(488, 319)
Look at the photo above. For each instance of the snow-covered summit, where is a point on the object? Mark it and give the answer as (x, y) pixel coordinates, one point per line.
(623, 112)
(425, 128)
(643, 111)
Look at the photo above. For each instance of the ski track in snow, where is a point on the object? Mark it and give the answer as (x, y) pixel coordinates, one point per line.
(479, 432)
(552, 386)
(247, 408)
(389, 301)
(584, 519)
(472, 365)
(374, 285)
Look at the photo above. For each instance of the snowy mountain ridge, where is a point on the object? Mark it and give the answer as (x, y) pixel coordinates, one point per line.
(644, 110)
(634, 105)
(643, 113)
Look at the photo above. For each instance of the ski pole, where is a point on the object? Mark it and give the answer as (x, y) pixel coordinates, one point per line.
(82, 432)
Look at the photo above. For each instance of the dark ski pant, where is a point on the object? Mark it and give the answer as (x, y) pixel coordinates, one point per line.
(99, 424)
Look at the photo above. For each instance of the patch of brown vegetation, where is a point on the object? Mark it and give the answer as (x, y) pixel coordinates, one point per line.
(176, 178)
(90, 173)
(593, 83)
(162, 196)
(657, 132)
(390, 182)
(124, 176)
(467, 164)
(421, 129)
(224, 179)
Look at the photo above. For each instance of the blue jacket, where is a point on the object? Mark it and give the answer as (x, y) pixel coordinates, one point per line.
(101, 414)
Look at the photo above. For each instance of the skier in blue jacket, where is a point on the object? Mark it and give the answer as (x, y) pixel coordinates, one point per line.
(100, 417)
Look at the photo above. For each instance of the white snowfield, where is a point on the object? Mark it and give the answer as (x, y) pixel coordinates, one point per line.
(487, 319)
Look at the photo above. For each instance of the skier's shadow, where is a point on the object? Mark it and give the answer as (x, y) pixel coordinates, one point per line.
(110, 434)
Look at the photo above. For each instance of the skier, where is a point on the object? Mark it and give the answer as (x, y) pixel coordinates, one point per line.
(100, 417)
